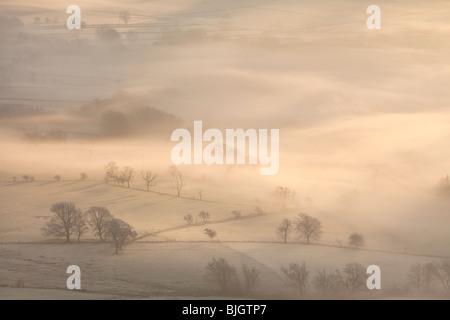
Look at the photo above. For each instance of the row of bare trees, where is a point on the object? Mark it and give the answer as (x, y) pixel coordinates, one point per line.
(57, 177)
(68, 221)
(427, 276)
(125, 175)
(117, 175)
(306, 226)
(352, 278)
(204, 215)
(226, 276)
(310, 228)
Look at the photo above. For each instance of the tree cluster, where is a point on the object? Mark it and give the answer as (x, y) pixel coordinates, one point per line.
(69, 221)
(352, 278)
(307, 227)
(225, 275)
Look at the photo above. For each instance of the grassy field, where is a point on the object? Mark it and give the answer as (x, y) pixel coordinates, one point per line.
(142, 270)
(169, 259)
(23, 215)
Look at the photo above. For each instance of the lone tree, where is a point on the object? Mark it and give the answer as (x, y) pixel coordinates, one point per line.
(354, 276)
(188, 218)
(251, 278)
(210, 233)
(126, 175)
(99, 218)
(204, 215)
(177, 179)
(149, 178)
(120, 232)
(26, 177)
(297, 276)
(356, 240)
(221, 272)
(111, 172)
(284, 195)
(284, 229)
(57, 177)
(65, 220)
(83, 176)
(308, 227)
(124, 16)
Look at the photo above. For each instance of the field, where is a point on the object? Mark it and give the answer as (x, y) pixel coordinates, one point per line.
(169, 258)
(362, 116)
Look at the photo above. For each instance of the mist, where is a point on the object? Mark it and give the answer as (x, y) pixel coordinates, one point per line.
(363, 115)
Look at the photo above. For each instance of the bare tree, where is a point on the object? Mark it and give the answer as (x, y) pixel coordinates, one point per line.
(284, 229)
(57, 177)
(26, 177)
(251, 278)
(328, 283)
(210, 233)
(220, 271)
(63, 223)
(111, 172)
(284, 195)
(80, 225)
(422, 276)
(99, 218)
(177, 179)
(354, 276)
(120, 232)
(442, 274)
(188, 218)
(356, 240)
(126, 174)
(124, 16)
(308, 227)
(149, 178)
(83, 176)
(204, 215)
(297, 276)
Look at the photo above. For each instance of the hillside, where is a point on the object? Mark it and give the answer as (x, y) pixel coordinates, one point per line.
(26, 207)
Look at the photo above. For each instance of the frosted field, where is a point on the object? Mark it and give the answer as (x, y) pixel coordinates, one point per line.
(394, 266)
(141, 270)
(171, 264)
(26, 207)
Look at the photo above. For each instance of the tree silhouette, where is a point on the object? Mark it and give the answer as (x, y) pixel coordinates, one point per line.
(98, 218)
(283, 194)
(308, 227)
(149, 178)
(65, 220)
(120, 232)
(204, 215)
(210, 233)
(124, 16)
(297, 276)
(284, 229)
(356, 240)
(177, 179)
